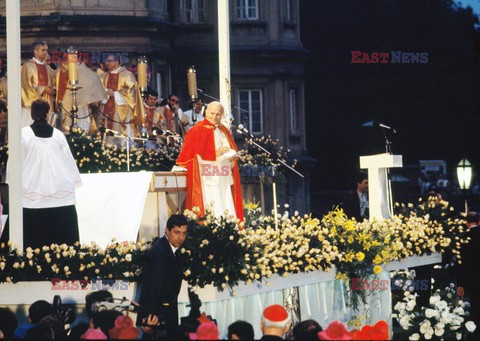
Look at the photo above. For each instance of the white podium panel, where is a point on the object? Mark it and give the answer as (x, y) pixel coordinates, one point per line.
(378, 185)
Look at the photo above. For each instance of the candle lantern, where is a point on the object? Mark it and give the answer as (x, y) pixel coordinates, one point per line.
(72, 66)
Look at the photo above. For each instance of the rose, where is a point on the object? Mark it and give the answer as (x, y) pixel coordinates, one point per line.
(434, 300)
(405, 322)
(470, 325)
(439, 329)
(360, 256)
(431, 313)
(459, 311)
(441, 305)
(410, 305)
(377, 269)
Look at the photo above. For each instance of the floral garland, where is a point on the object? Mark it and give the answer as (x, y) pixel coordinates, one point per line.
(224, 252)
(92, 155)
(75, 262)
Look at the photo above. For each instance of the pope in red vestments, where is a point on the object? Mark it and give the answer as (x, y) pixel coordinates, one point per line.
(209, 155)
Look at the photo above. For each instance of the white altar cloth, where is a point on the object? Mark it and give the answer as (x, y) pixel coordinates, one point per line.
(111, 205)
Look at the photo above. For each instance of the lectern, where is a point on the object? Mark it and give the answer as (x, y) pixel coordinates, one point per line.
(379, 189)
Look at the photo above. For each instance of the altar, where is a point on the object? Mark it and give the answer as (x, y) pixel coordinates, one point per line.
(128, 206)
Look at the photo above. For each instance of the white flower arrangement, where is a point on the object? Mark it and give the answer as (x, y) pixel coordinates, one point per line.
(443, 320)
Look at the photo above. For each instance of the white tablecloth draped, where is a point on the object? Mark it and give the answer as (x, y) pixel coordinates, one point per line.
(111, 205)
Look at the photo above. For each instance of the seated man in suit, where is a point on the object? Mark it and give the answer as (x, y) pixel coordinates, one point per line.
(163, 274)
(356, 204)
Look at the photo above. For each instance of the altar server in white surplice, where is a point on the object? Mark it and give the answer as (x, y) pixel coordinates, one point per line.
(50, 177)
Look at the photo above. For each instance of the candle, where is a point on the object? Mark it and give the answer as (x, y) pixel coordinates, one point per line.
(72, 66)
(142, 73)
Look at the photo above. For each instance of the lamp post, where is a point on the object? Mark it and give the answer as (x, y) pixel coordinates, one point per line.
(464, 175)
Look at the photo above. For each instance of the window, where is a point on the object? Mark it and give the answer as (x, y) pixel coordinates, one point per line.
(159, 6)
(292, 95)
(247, 9)
(193, 11)
(250, 103)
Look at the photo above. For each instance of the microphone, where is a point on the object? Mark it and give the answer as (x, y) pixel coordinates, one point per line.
(381, 125)
(104, 130)
(159, 132)
(192, 83)
(243, 131)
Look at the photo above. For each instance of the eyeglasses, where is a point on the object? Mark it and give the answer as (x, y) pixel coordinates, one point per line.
(174, 100)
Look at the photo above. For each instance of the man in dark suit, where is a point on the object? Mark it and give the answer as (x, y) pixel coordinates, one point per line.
(163, 274)
(355, 204)
(467, 277)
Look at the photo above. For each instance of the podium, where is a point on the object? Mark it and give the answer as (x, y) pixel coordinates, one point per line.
(379, 189)
(166, 196)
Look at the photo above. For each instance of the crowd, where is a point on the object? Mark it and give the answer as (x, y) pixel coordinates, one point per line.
(111, 324)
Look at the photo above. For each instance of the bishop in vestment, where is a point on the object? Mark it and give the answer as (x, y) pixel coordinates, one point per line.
(123, 110)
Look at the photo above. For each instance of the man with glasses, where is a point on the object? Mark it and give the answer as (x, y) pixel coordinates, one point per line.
(123, 111)
(37, 81)
(173, 115)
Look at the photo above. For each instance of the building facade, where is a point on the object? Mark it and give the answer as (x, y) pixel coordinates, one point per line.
(267, 57)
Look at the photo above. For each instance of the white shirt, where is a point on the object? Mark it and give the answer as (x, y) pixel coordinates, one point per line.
(50, 174)
(37, 61)
(174, 249)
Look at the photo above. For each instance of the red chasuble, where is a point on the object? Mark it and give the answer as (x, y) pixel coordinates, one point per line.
(62, 85)
(42, 74)
(200, 140)
(109, 108)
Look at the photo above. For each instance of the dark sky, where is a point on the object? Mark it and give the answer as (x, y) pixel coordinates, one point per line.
(434, 106)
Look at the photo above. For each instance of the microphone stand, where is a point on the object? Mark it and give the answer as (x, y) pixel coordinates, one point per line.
(127, 139)
(194, 114)
(388, 150)
(274, 187)
(178, 123)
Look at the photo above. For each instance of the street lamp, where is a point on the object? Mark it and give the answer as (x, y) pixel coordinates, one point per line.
(464, 175)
